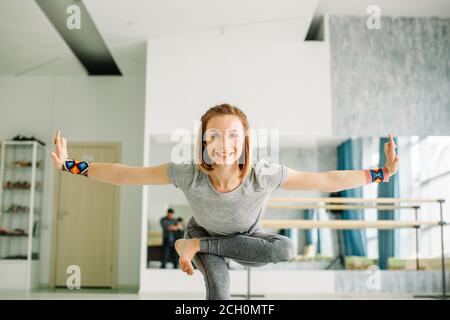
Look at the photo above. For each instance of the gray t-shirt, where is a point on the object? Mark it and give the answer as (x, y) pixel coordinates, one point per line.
(228, 213)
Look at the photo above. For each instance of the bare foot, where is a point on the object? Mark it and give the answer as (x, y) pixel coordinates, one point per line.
(187, 248)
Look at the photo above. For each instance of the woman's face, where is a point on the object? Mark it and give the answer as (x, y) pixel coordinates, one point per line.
(224, 137)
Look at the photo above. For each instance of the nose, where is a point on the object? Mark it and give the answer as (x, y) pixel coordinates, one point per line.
(225, 144)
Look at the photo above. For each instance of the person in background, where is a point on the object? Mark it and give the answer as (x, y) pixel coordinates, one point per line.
(170, 227)
(179, 234)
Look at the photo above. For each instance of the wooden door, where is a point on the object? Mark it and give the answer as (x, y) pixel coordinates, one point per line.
(85, 220)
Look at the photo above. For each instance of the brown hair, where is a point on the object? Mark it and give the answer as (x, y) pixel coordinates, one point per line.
(222, 110)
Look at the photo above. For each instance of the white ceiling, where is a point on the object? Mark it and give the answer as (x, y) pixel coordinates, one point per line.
(141, 19)
(28, 40)
(31, 46)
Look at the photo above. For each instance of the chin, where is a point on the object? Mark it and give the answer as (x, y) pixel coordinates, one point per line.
(224, 162)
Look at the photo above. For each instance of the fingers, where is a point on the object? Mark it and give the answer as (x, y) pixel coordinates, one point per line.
(61, 145)
(389, 148)
(58, 143)
(64, 145)
(391, 157)
(56, 160)
(54, 157)
(391, 141)
(60, 149)
(389, 152)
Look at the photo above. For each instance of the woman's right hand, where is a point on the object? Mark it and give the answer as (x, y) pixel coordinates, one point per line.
(60, 155)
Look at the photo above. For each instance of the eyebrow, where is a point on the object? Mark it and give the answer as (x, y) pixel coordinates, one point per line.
(229, 130)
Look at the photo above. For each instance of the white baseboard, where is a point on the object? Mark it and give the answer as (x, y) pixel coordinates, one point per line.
(262, 281)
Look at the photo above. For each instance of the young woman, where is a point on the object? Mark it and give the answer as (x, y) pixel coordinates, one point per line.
(228, 192)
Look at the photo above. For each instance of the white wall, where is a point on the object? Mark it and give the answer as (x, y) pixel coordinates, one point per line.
(266, 69)
(85, 109)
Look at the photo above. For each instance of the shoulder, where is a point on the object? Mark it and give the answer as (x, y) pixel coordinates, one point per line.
(265, 166)
(181, 174)
(270, 174)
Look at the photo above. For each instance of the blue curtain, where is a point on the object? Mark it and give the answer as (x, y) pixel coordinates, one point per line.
(309, 215)
(286, 232)
(319, 249)
(355, 241)
(308, 232)
(387, 239)
(319, 245)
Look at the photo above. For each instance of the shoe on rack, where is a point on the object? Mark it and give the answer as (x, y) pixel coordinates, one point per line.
(18, 231)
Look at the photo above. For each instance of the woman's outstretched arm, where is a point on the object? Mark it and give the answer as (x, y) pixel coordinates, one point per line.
(337, 180)
(113, 173)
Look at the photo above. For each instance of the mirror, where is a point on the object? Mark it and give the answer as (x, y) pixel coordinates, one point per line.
(424, 172)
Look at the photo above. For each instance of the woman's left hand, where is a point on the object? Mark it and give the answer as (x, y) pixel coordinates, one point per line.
(392, 158)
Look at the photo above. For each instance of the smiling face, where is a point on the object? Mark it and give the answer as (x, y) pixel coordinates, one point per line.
(224, 139)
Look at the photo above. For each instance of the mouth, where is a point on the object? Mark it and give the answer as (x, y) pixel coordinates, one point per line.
(224, 155)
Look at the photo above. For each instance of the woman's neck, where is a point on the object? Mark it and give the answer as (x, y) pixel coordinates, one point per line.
(226, 177)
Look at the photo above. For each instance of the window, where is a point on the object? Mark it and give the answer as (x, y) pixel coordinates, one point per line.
(425, 173)
(370, 159)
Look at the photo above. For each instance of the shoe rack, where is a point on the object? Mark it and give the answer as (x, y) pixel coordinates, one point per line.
(21, 200)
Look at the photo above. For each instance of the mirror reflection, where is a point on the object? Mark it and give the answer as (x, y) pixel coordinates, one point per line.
(323, 244)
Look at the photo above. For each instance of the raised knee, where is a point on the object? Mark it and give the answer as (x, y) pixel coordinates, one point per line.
(290, 251)
(286, 249)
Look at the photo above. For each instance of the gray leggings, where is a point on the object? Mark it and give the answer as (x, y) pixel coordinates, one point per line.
(254, 250)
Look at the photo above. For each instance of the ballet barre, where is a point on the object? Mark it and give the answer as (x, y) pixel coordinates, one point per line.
(355, 200)
(345, 224)
(343, 207)
(381, 204)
